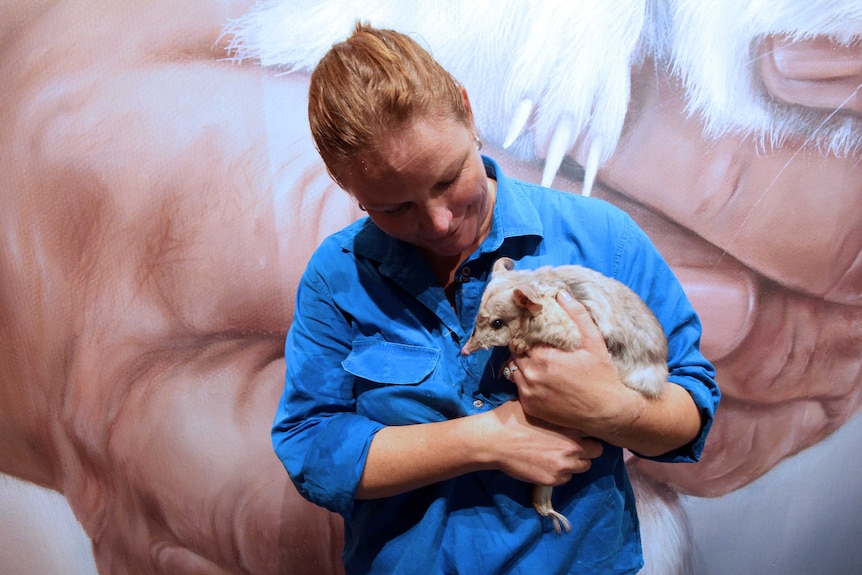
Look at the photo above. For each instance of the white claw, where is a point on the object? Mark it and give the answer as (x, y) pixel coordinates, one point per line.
(592, 167)
(519, 121)
(557, 150)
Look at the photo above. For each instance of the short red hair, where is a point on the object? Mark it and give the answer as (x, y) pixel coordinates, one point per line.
(370, 83)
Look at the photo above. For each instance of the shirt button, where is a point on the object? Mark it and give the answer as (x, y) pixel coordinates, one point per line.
(465, 271)
(478, 403)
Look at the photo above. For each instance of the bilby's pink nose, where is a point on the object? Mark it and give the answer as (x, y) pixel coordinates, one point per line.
(469, 347)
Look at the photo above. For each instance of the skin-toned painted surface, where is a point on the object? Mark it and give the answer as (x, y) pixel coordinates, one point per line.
(159, 203)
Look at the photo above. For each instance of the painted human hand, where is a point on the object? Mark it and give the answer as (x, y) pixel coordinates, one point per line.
(149, 258)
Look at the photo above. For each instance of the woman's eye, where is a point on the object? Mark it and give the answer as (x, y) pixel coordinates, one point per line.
(448, 183)
(395, 211)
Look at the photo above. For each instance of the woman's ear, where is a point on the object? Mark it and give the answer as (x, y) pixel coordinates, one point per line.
(469, 108)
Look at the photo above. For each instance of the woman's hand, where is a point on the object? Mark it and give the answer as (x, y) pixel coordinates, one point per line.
(533, 450)
(581, 389)
(406, 457)
(577, 388)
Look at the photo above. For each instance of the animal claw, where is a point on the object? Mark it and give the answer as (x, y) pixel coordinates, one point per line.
(561, 141)
(542, 505)
(591, 169)
(519, 121)
(560, 521)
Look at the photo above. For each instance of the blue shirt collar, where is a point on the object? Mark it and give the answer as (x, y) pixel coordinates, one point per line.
(514, 213)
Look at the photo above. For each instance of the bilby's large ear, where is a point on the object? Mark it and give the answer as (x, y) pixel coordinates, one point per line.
(526, 297)
(503, 264)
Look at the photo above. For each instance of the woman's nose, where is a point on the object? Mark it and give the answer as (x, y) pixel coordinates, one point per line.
(436, 218)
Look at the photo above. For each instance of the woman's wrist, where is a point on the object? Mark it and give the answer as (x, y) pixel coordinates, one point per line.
(617, 417)
(478, 433)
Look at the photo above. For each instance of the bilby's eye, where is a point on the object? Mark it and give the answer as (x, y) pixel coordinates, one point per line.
(497, 324)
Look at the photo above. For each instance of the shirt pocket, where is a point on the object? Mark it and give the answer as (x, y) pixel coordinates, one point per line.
(395, 383)
(391, 363)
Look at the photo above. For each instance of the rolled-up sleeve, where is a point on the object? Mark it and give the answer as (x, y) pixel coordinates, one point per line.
(321, 440)
(641, 266)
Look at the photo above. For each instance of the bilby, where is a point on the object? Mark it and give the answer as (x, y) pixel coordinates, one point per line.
(519, 309)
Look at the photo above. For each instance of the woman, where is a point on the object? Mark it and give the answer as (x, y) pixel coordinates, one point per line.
(426, 453)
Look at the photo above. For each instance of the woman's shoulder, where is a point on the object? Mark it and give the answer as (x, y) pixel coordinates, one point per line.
(557, 205)
(334, 248)
(554, 202)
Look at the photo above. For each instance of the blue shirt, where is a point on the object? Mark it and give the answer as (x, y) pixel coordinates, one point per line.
(375, 342)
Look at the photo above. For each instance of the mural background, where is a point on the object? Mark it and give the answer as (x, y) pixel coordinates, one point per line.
(160, 201)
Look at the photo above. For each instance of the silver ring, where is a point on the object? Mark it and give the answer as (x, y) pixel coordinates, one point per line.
(508, 372)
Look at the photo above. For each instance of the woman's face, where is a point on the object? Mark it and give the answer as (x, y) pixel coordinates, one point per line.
(425, 184)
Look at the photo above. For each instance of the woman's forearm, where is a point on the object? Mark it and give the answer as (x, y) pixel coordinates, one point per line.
(403, 458)
(650, 426)
(408, 457)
